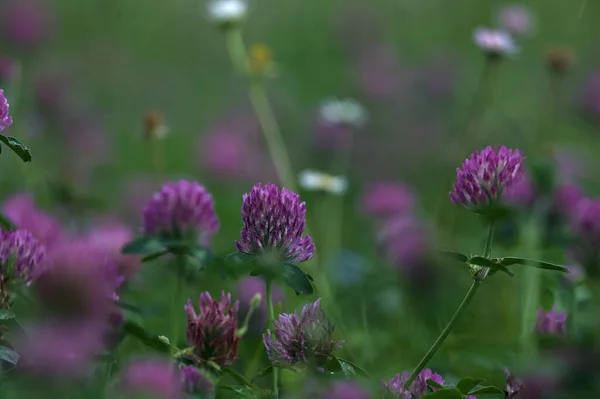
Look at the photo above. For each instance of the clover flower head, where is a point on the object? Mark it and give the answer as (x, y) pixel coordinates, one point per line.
(273, 223)
(303, 338)
(181, 209)
(552, 322)
(483, 177)
(212, 331)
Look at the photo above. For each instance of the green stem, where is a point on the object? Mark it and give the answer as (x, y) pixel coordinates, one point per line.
(264, 111)
(180, 261)
(269, 292)
(461, 308)
(487, 252)
(438, 342)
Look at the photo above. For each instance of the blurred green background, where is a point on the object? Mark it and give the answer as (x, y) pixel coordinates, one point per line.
(117, 60)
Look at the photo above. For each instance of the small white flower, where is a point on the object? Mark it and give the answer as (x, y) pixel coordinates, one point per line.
(319, 181)
(495, 41)
(226, 11)
(346, 111)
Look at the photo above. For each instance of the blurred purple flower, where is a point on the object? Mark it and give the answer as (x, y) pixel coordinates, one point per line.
(570, 165)
(181, 210)
(380, 74)
(575, 275)
(552, 322)
(591, 95)
(513, 386)
(5, 118)
(80, 282)
(274, 222)
(494, 42)
(212, 331)
(521, 192)
(22, 211)
(229, 154)
(418, 388)
(403, 240)
(516, 20)
(110, 237)
(8, 67)
(585, 225)
(439, 76)
(248, 287)
(60, 349)
(301, 339)
(26, 23)
(387, 198)
(197, 382)
(566, 197)
(25, 253)
(156, 377)
(345, 390)
(483, 177)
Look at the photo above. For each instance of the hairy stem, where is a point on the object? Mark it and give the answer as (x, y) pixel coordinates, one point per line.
(269, 292)
(438, 342)
(461, 308)
(180, 261)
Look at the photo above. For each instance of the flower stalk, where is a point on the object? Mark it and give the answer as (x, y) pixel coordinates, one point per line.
(461, 308)
(180, 261)
(269, 293)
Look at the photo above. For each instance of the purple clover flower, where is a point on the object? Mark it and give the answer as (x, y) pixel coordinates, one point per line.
(26, 23)
(22, 254)
(403, 240)
(152, 376)
(212, 331)
(197, 382)
(274, 222)
(79, 283)
(516, 20)
(387, 198)
(521, 192)
(58, 349)
(303, 338)
(22, 211)
(181, 209)
(345, 390)
(5, 118)
(552, 322)
(513, 385)
(110, 237)
(418, 388)
(483, 177)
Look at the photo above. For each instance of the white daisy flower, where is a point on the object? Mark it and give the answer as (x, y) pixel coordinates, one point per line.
(347, 111)
(495, 41)
(227, 11)
(319, 181)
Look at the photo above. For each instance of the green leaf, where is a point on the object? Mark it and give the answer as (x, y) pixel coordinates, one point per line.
(357, 369)
(6, 315)
(333, 365)
(296, 279)
(240, 379)
(444, 393)
(434, 384)
(6, 223)
(150, 340)
(142, 246)
(467, 384)
(8, 355)
(154, 255)
(201, 255)
(453, 255)
(18, 148)
(489, 390)
(485, 262)
(509, 261)
(263, 373)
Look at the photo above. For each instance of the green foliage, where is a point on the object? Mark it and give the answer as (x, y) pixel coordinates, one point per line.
(18, 148)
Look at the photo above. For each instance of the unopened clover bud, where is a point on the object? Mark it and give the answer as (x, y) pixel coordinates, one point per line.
(164, 339)
(227, 14)
(559, 59)
(154, 127)
(255, 302)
